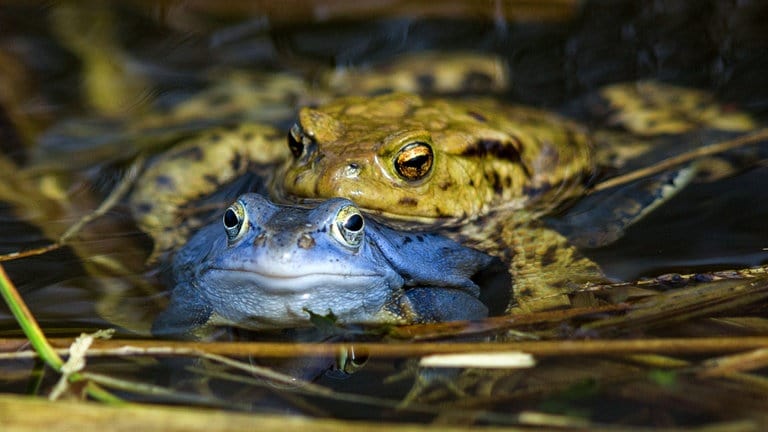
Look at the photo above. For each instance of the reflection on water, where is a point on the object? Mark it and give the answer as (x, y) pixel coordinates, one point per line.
(64, 107)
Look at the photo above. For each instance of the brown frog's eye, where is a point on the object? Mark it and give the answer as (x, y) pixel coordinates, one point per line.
(295, 141)
(414, 161)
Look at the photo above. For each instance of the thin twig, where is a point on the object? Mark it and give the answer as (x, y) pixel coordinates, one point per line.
(30, 252)
(109, 202)
(396, 350)
(116, 195)
(682, 158)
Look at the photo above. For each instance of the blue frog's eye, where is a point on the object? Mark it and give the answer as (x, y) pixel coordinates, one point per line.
(349, 226)
(235, 221)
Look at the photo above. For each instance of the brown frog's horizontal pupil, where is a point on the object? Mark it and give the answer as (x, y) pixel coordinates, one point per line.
(414, 161)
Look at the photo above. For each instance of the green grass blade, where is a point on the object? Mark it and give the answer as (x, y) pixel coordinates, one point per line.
(28, 323)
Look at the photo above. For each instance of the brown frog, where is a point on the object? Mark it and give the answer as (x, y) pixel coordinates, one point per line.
(484, 172)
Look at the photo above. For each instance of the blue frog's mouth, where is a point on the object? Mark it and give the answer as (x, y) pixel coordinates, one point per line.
(269, 281)
(257, 300)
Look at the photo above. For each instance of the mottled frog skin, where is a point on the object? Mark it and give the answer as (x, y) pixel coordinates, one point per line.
(450, 162)
(484, 171)
(477, 170)
(409, 157)
(265, 266)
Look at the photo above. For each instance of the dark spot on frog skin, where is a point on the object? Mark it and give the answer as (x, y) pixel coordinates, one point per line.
(305, 241)
(381, 91)
(471, 183)
(274, 136)
(211, 179)
(527, 292)
(216, 137)
(426, 82)
(407, 240)
(164, 182)
(420, 238)
(550, 256)
(218, 100)
(144, 207)
(672, 279)
(538, 190)
(494, 180)
(441, 213)
(498, 149)
(408, 201)
(192, 153)
(445, 185)
(236, 162)
(477, 116)
(699, 277)
(477, 81)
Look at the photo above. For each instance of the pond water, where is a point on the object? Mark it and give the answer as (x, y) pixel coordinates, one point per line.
(62, 104)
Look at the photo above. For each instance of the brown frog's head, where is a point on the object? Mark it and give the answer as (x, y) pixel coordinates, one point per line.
(404, 157)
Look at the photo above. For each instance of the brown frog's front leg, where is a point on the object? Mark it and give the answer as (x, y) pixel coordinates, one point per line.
(545, 268)
(197, 168)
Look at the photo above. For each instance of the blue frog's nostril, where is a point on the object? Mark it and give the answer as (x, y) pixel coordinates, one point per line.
(260, 239)
(305, 241)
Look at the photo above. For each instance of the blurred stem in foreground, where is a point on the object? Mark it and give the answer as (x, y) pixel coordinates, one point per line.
(36, 337)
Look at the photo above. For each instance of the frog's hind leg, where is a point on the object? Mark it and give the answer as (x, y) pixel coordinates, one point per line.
(430, 304)
(545, 268)
(601, 218)
(652, 108)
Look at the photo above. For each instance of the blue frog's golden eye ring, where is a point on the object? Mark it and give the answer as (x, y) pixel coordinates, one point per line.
(235, 221)
(349, 226)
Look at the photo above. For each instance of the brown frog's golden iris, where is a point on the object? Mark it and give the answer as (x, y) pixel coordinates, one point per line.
(414, 161)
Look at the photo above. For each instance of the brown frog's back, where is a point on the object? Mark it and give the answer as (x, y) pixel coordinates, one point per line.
(409, 157)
